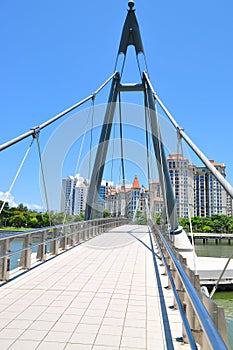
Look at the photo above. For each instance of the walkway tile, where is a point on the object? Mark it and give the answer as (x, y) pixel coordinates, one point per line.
(101, 295)
(25, 345)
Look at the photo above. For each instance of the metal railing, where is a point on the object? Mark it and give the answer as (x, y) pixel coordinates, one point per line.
(202, 319)
(58, 238)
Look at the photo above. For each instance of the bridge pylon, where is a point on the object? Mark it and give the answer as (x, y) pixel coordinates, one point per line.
(131, 36)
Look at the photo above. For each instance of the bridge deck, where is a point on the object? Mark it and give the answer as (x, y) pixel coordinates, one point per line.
(103, 294)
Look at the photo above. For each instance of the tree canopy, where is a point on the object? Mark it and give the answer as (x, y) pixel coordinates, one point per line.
(22, 217)
(215, 223)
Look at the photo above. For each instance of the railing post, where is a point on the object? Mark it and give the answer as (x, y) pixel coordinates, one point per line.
(54, 244)
(5, 262)
(218, 317)
(63, 242)
(26, 255)
(75, 235)
(87, 231)
(90, 233)
(82, 231)
(178, 284)
(70, 235)
(42, 249)
(78, 240)
(95, 230)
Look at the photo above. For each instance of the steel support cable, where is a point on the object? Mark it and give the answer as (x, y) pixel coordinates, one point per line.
(220, 276)
(91, 137)
(102, 156)
(164, 179)
(81, 149)
(226, 185)
(180, 148)
(16, 175)
(36, 136)
(164, 192)
(122, 150)
(147, 154)
(58, 116)
(113, 149)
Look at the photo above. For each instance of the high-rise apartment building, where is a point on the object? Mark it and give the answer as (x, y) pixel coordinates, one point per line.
(67, 195)
(181, 174)
(196, 189)
(209, 196)
(74, 194)
(155, 198)
(80, 195)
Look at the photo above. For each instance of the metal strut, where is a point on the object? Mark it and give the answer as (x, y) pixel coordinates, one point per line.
(226, 185)
(31, 132)
(164, 176)
(92, 207)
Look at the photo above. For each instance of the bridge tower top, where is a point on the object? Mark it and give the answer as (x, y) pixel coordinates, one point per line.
(131, 4)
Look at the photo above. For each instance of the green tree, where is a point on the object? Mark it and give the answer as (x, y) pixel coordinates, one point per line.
(22, 207)
(5, 214)
(143, 220)
(197, 224)
(17, 220)
(185, 224)
(106, 214)
(207, 229)
(33, 222)
(81, 216)
(157, 218)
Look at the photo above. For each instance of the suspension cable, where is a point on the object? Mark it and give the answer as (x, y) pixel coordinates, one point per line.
(91, 137)
(164, 192)
(90, 112)
(113, 150)
(16, 176)
(36, 136)
(122, 151)
(180, 149)
(147, 149)
(164, 180)
(58, 116)
(226, 185)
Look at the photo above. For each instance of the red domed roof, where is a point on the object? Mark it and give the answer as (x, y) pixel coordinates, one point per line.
(135, 184)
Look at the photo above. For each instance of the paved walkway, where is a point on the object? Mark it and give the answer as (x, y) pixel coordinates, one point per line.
(101, 295)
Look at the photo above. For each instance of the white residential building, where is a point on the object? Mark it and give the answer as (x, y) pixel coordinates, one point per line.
(181, 174)
(74, 194)
(209, 196)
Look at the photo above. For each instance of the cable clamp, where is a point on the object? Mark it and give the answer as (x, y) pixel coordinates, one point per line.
(36, 132)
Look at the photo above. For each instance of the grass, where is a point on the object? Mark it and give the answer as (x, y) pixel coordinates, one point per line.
(15, 229)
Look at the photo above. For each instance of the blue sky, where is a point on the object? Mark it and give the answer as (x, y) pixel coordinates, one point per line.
(54, 53)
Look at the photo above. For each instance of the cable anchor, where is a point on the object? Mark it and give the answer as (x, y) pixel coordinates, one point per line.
(179, 136)
(36, 132)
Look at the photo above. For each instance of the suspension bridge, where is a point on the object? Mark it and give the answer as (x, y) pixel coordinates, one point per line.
(109, 283)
